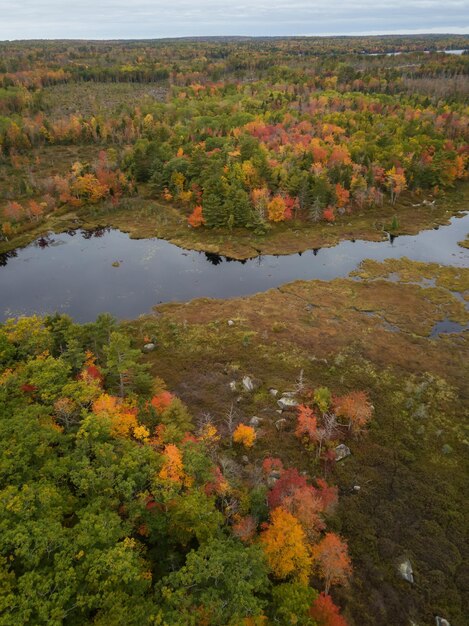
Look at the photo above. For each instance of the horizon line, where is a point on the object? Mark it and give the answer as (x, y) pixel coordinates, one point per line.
(202, 37)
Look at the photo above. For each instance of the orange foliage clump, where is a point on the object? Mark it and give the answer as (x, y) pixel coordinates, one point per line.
(306, 426)
(105, 404)
(89, 188)
(123, 418)
(34, 210)
(328, 214)
(245, 528)
(196, 218)
(318, 151)
(218, 485)
(355, 407)
(331, 560)
(271, 464)
(161, 401)
(244, 435)
(285, 546)
(307, 507)
(13, 211)
(339, 156)
(172, 469)
(276, 209)
(325, 613)
(290, 205)
(342, 195)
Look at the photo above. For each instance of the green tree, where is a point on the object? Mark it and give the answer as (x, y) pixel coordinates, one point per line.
(213, 200)
(122, 364)
(222, 579)
(238, 205)
(291, 603)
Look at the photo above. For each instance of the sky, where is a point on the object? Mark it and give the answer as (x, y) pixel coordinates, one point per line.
(132, 19)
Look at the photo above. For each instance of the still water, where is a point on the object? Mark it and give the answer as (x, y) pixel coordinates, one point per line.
(74, 273)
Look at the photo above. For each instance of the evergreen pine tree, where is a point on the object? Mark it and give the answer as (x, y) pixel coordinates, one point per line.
(238, 204)
(213, 200)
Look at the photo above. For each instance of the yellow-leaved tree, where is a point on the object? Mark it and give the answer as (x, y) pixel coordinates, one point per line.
(245, 435)
(285, 545)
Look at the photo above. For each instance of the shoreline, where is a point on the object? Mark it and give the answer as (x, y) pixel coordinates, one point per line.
(155, 220)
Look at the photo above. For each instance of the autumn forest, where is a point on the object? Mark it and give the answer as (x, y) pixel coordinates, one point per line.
(295, 454)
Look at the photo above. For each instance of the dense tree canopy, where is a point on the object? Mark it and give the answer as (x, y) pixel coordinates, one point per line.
(116, 510)
(239, 134)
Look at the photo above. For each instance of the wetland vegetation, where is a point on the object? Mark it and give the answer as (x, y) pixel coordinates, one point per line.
(271, 427)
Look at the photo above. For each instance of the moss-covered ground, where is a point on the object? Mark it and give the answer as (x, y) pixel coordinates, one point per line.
(371, 331)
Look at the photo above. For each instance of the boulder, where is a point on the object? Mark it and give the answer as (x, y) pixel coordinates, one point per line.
(273, 392)
(255, 421)
(149, 347)
(230, 323)
(441, 621)
(341, 452)
(287, 402)
(405, 570)
(247, 383)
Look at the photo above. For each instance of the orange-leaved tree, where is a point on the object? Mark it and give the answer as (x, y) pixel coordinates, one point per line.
(122, 417)
(356, 408)
(342, 195)
(307, 424)
(245, 528)
(276, 209)
(325, 613)
(286, 548)
(162, 400)
(331, 560)
(172, 469)
(196, 218)
(244, 435)
(307, 507)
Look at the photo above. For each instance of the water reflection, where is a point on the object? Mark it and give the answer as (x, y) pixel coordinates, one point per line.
(4, 256)
(213, 258)
(84, 273)
(95, 232)
(44, 242)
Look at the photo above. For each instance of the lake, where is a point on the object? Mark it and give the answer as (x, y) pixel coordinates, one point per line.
(84, 273)
(394, 54)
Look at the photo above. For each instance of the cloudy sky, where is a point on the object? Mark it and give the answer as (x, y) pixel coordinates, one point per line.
(101, 19)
